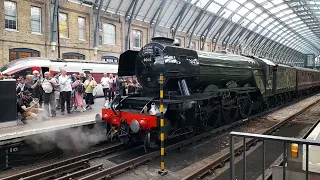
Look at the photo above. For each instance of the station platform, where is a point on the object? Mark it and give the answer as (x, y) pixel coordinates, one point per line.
(57, 123)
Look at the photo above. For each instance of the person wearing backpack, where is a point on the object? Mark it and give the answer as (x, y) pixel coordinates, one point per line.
(78, 94)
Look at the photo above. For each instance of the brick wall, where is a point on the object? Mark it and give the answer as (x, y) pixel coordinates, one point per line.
(23, 38)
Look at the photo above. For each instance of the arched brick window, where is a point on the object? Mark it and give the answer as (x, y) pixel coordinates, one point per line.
(17, 53)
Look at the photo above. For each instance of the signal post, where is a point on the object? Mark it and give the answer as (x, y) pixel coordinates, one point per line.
(162, 171)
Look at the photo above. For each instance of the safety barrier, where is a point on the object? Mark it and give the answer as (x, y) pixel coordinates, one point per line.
(285, 140)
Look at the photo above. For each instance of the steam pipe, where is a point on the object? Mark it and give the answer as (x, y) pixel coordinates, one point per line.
(183, 87)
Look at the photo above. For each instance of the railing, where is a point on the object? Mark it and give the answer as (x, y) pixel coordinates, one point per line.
(263, 138)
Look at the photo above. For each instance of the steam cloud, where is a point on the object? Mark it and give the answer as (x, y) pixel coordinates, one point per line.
(69, 140)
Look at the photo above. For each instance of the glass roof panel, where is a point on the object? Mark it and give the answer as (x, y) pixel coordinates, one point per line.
(241, 1)
(252, 25)
(258, 20)
(264, 15)
(267, 5)
(193, 1)
(243, 11)
(264, 32)
(236, 18)
(276, 2)
(221, 2)
(202, 3)
(213, 7)
(274, 10)
(251, 16)
(233, 5)
(245, 22)
(264, 23)
(249, 5)
(227, 13)
(257, 11)
(280, 14)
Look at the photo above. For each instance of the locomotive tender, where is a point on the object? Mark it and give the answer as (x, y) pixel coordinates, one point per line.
(202, 90)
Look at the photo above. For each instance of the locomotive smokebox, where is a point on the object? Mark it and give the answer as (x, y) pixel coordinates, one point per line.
(159, 56)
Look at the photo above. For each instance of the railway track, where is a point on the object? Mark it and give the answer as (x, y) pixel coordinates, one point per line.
(219, 162)
(67, 166)
(79, 167)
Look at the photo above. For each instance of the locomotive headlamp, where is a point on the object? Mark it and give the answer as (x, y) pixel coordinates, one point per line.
(294, 150)
(134, 126)
(106, 117)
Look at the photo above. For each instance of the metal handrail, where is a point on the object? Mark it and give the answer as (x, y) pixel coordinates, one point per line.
(262, 137)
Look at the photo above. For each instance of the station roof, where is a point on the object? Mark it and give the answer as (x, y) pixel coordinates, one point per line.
(293, 23)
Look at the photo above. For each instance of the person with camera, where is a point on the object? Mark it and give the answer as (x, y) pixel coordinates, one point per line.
(27, 107)
(65, 91)
(48, 85)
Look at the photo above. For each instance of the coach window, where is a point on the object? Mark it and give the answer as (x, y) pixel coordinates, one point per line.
(73, 56)
(10, 15)
(18, 53)
(137, 38)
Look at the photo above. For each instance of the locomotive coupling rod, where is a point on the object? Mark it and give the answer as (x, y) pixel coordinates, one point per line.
(162, 171)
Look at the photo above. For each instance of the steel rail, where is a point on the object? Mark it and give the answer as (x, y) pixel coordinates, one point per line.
(50, 167)
(82, 172)
(117, 169)
(221, 160)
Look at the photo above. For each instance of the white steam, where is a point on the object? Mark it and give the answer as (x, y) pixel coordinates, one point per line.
(70, 140)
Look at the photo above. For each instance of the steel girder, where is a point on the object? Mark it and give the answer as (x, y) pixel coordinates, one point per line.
(276, 18)
(196, 22)
(204, 34)
(178, 20)
(138, 10)
(149, 10)
(121, 1)
(53, 22)
(128, 22)
(107, 5)
(221, 29)
(227, 38)
(96, 20)
(156, 18)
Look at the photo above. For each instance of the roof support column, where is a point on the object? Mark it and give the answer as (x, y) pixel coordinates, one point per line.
(156, 18)
(96, 20)
(178, 20)
(205, 33)
(128, 22)
(54, 24)
(216, 37)
(227, 38)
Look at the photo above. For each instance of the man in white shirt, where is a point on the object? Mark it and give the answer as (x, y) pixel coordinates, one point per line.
(105, 85)
(65, 91)
(48, 84)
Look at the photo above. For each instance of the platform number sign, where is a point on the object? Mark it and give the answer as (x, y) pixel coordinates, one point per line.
(13, 149)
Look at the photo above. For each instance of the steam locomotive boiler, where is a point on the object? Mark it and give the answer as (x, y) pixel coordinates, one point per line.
(202, 90)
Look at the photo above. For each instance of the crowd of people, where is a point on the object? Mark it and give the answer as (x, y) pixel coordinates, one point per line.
(65, 92)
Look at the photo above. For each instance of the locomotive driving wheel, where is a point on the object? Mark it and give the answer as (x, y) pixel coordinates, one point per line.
(210, 115)
(245, 105)
(229, 114)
